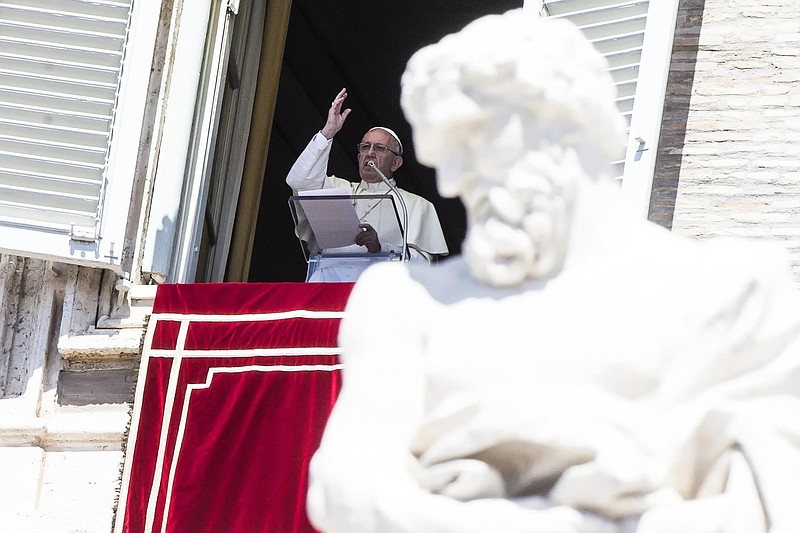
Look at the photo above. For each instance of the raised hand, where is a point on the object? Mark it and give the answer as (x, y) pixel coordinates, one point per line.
(336, 116)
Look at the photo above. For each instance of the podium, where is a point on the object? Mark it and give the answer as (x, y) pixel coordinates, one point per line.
(326, 223)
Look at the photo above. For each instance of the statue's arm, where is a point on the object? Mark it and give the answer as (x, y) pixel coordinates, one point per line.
(362, 477)
(361, 465)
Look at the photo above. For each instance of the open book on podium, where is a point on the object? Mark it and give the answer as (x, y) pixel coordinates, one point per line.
(327, 222)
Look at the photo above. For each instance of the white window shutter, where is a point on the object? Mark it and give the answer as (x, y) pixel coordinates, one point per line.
(636, 39)
(70, 119)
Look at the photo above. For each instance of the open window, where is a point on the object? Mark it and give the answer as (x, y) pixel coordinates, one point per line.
(219, 207)
(363, 46)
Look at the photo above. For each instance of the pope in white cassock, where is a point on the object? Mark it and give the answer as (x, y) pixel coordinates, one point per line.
(380, 228)
(579, 369)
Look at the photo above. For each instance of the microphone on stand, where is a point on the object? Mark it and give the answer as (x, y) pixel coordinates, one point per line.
(373, 166)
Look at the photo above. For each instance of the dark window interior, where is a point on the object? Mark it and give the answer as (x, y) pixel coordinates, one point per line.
(364, 46)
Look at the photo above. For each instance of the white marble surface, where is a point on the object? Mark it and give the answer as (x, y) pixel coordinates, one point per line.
(578, 369)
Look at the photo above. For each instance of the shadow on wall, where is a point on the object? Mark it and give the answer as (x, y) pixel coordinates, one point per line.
(676, 112)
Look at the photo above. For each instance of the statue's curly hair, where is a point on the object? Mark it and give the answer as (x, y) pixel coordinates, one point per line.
(526, 105)
(542, 67)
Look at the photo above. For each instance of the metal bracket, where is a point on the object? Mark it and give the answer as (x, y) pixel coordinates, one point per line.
(642, 144)
(82, 235)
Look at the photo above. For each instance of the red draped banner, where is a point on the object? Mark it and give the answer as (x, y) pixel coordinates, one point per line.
(236, 383)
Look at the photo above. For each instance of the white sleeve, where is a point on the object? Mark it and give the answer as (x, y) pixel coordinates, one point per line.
(310, 169)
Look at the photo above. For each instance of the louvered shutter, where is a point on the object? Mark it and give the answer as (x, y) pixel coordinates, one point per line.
(66, 106)
(636, 39)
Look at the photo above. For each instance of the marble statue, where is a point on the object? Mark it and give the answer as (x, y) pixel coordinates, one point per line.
(577, 369)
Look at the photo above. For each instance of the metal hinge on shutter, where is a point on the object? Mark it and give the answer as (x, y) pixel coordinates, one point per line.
(82, 235)
(233, 6)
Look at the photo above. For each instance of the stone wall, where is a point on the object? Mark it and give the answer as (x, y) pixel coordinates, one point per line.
(729, 157)
(67, 368)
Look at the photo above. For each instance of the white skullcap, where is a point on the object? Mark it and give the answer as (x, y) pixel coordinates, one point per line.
(390, 132)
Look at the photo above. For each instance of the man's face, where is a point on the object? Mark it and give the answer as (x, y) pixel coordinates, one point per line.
(388, 162)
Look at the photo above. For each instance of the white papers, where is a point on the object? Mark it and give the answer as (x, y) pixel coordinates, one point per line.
(333, 220)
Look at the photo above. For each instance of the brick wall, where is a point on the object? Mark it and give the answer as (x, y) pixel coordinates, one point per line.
(729, 156)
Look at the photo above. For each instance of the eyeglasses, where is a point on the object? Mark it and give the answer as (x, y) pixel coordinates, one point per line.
(378, 148)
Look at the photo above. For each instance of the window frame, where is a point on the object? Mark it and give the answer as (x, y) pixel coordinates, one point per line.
(171, 242)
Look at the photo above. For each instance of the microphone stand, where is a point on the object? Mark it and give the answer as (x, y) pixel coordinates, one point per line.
(373, 166)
